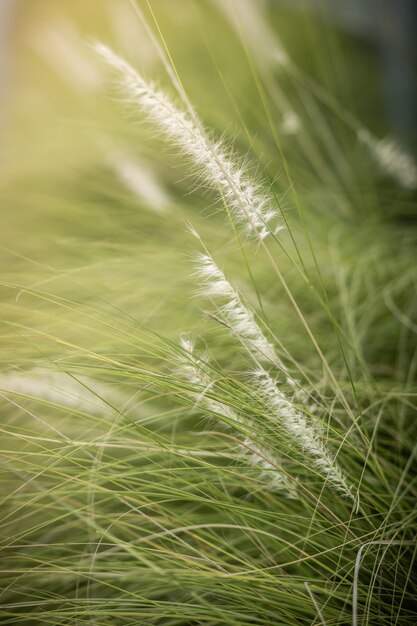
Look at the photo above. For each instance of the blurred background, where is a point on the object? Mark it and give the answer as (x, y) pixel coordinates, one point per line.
(384, 30)
(340, 77)
(364, 51)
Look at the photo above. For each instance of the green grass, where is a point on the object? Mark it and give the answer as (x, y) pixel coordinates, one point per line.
(131, 493)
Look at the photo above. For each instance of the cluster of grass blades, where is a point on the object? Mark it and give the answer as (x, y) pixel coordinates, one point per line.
(208, 360)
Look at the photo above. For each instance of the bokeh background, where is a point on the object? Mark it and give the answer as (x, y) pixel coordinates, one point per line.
(98, 285)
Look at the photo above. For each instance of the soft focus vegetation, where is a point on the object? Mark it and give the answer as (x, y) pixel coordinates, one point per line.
(148, 477)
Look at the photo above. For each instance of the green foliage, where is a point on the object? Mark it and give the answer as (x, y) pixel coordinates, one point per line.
(141, 480)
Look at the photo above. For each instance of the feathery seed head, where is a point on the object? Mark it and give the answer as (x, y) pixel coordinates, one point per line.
(58, 388)
(261, 457)
(273, 473)
(391, 158)
(238, 317)
(248, 204)
(306, 435)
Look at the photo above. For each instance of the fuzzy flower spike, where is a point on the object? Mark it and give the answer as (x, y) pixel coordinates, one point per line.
(238, 317)
(306, 436)
(193, 369)
(248, 204)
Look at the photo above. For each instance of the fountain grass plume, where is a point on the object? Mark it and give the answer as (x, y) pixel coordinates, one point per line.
(59, 388)
(195, 371)
(391, 158)
(247, 202)
(307, 436)
(237, 316)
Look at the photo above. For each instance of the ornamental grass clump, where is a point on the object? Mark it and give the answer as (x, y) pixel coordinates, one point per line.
(242, 201)
(222, 436)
